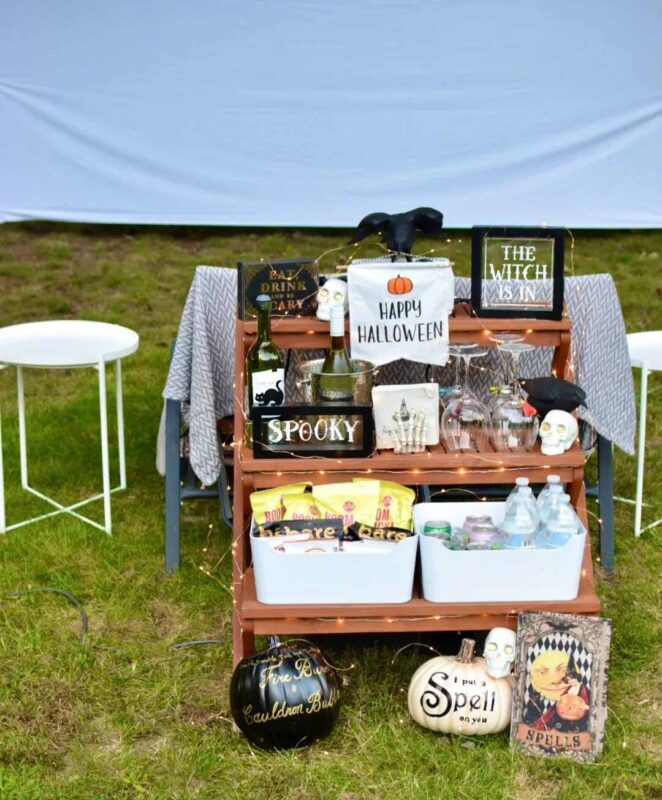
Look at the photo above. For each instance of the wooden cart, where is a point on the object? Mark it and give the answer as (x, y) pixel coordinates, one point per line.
(434, 467)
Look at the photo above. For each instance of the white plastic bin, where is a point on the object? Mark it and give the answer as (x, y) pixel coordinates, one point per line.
(328, 578)
(478, 576)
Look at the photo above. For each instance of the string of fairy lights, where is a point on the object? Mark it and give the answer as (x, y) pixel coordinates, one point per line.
(496, 466)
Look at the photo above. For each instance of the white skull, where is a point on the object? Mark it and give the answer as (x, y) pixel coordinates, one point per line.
(499, 652)
(332, 291)
(557, 432)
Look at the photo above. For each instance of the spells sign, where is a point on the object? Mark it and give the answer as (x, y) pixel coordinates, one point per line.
(327, 430)
(517, 272)
(292, 285)
(560, 685)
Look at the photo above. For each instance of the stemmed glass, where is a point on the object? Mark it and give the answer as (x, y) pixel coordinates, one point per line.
(513, 427)
(451, 393)
(464, 423)
(503, 373)
(516, 349)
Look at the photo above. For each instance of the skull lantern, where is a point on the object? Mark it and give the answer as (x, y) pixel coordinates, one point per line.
(499, 652)
(557, 432)
(331, 292)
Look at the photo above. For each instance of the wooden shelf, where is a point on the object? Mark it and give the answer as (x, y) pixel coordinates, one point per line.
(488, 467)
(309, 333)
(433, 467)
(416, 615)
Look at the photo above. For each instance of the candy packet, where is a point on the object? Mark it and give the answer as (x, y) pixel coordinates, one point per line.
(394, 504)
(267, 504)
(352, 502)
(300, 506)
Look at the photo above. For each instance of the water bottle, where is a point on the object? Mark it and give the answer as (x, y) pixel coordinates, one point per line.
(521, 521)
(524, 492)
(518, 482)
(552, 480)
(545, 508)
(561, 524)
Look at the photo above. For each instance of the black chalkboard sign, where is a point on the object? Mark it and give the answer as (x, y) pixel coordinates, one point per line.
(292, 285)
(333, 431)
(517, 272)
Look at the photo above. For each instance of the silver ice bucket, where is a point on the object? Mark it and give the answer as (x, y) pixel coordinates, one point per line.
(362, 379)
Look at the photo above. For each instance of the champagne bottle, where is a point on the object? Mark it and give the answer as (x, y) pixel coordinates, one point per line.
(265, 364)
(335, 383)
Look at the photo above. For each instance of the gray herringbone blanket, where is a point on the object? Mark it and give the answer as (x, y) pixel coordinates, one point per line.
(202, 368)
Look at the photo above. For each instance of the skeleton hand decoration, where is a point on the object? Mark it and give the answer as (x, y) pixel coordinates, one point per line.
(499, 652)
(557, 432)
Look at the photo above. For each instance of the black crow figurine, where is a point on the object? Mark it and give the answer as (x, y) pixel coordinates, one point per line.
(546, 394)
(398, 231)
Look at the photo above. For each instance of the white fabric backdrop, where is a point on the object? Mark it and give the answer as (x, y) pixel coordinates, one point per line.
(316, 112)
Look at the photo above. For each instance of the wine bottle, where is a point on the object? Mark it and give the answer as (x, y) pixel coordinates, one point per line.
(265, 364)
(335, 382)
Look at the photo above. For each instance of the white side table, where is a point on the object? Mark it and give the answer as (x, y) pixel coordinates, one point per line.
(645, 352)
(63, 344)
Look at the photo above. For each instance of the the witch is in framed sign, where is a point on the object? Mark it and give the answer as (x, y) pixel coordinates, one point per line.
(560, 685)
(517, 272)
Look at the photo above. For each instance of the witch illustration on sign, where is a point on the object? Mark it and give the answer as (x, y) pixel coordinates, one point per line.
(558, 696)
(560, 684)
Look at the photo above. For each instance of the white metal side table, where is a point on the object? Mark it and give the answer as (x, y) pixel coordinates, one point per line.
(646, 352)
(64, 344)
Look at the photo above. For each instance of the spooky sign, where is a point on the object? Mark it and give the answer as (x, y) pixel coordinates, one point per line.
(400, 310)
(312, 430)
(292, 285)
(517, 272)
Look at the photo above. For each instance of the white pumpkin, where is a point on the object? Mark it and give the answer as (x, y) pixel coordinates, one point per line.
(452, 694)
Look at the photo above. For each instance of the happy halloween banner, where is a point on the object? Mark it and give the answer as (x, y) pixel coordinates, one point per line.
(400, 310)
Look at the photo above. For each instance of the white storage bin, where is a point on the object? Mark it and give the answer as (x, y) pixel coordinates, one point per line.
(354, 576)
(478, 576)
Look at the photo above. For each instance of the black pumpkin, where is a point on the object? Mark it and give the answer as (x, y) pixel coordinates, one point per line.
(286, 696)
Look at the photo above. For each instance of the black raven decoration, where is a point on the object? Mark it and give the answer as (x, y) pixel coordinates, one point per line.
(546, 394)
(398, 231)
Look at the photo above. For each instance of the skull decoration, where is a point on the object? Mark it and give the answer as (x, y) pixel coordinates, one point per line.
(331, 292)
(557, 432)
(499, 652)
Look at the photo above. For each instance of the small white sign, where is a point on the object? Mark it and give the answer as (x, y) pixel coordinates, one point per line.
(387, 402)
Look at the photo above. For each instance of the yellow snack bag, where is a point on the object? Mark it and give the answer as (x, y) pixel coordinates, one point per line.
(300, 506)
(394, 505)
(353, 502)
(267, 504)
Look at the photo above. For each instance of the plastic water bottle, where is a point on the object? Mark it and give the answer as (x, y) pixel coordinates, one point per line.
(550, 502)
(552, 480)
(524, 492)
(561, 524)
(518, 482)
(521, 521)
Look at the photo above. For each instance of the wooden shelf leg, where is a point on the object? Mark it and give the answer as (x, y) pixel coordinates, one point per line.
(243, 638)
(561, 360)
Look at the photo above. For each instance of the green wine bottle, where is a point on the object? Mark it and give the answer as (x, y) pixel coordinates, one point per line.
(336, 384)
(265, 364)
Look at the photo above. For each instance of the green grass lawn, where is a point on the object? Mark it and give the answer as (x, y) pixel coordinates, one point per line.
(125, 715)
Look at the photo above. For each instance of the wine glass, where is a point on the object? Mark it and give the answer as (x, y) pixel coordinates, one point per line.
(448, 394)
(503, 373)
(464, 423)
(513, 426)
(515, 349)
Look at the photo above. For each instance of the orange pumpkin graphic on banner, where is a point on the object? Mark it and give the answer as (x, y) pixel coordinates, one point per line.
(400, 285)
